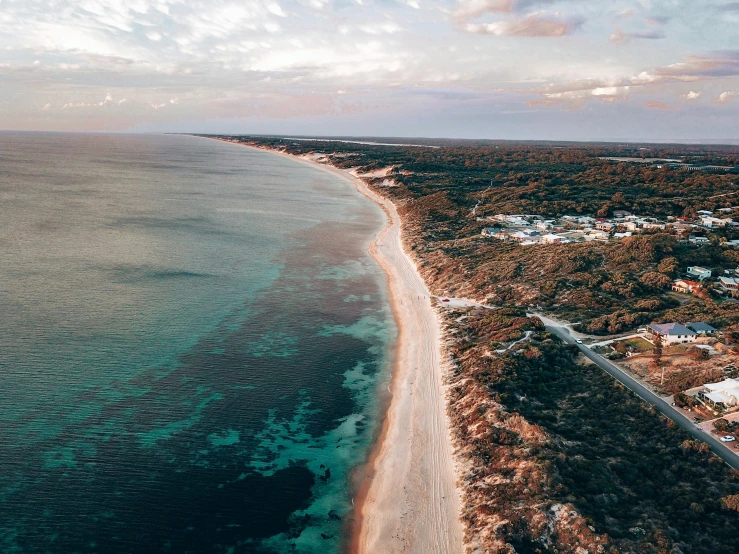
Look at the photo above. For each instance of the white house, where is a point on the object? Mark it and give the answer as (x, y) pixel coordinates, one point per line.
(724, 394)
(685, 286)
(552, 239)
(654, 225)
(699, 273)
(708, 221)
(729, 283)
(597, 235)
(672, 333)
(698, 240)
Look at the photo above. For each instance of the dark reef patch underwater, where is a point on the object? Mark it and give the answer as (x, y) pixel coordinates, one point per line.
(193, 341)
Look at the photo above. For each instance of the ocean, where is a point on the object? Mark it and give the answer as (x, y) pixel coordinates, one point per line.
(194, 345)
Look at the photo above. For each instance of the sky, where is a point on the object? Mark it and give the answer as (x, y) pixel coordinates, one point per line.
(505, 69)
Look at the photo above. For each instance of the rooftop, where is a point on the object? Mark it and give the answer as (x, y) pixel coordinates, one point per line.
(671, 329)
(699, 326)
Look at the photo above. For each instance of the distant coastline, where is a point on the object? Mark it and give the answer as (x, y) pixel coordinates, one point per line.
(407, 499)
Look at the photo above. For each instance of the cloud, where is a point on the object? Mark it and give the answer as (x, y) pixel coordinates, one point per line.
(656, 105)
(533, 25)
(513, 18)
(658, 20)
(692, 95)
(620, 37)
(725, 96)
(472, 9)
(722, 63)
(730, 7)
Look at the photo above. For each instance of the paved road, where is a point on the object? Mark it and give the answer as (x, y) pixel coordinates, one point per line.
(644, 393)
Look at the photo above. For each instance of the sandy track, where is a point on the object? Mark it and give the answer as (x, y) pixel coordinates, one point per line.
(409, 502)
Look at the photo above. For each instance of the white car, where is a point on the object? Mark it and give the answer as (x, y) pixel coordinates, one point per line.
(578, 341)
(727, 438)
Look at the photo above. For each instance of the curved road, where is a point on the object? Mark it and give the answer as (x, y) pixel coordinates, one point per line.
(644, 393)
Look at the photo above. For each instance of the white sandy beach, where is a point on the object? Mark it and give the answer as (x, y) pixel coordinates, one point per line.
(409, 502)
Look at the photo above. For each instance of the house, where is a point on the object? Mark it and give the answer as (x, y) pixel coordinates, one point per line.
(726, 210)
(722, 395)
(708, 221)
(671, 333)
(698, 240)
(704, 212)
(621, 235)
(729, 283)
(653, 225)
(552, 239)
(701, 328)
(513, 220)
(698, 272)
(621, 213)
(523, 236)
(605, 226)
(544, 224)
(631, 225)
(685, 286)
(681, 228)
(597, 235)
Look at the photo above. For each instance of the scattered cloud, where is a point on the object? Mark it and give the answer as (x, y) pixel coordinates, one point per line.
(658, 20)
(725, 96)
(621, 37)
(656, 105)
(472, 9)
(529, 26)
(110, 64)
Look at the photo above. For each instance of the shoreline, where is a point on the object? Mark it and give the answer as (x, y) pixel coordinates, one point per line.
(407, 499)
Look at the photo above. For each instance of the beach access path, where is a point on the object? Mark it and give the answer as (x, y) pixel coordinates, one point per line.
(409, 501)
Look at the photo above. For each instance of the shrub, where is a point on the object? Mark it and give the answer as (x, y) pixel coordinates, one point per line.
(731, 502)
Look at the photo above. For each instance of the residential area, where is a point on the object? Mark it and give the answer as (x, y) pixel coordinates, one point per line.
(691, 365)
(536, 229)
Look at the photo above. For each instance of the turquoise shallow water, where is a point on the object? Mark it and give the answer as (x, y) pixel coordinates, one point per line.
(192, 342)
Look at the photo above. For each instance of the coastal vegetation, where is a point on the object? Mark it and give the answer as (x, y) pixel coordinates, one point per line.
(554, 454)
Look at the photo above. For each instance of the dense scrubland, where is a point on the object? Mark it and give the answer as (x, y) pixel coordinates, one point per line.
(555, 455)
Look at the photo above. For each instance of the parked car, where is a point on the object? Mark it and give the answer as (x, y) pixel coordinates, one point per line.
(578, 341)
(727, 438)
(445, 300)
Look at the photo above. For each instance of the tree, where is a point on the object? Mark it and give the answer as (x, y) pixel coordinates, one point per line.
(655, 280)
(682, 400)
(721, 425)
(658, 351)
(731, 502)
(668, 266)
(618, 198)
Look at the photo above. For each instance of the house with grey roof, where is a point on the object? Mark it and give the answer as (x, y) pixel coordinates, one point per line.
(672, 333)
(701, 328)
